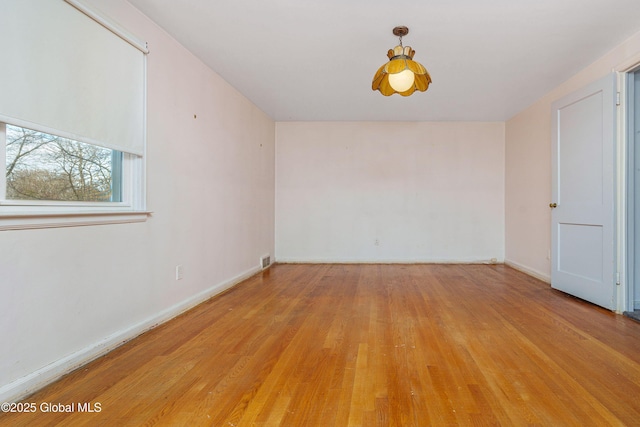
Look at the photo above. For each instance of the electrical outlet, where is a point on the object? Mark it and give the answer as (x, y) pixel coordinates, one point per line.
(179, 272)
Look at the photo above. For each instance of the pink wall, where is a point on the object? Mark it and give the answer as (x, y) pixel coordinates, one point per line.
(389, 191)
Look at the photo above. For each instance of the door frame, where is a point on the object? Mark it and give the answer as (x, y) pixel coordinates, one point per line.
(629, 223)
(625, 187)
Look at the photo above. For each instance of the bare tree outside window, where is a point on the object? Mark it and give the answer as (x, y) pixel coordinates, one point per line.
(40, 166)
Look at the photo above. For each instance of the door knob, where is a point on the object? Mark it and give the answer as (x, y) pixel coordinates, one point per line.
(553, 205)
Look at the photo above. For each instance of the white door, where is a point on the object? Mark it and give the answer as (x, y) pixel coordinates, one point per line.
(582, 214)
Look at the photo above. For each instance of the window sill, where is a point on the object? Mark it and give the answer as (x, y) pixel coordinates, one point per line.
(31, 220)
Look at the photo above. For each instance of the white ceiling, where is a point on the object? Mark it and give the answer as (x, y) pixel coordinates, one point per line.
(314, 59)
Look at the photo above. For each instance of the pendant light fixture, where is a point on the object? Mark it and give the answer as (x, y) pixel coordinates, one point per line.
(401, 74)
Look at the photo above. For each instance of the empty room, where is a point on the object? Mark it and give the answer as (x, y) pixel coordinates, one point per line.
(305, 213)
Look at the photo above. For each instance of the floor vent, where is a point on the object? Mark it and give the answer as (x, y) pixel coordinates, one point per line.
(265, 261)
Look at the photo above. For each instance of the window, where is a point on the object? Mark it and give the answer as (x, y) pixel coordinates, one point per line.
(53, 181)
(72, 117)
(41, 166)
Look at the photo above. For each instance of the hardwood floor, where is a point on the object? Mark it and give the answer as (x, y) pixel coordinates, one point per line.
(367, 345)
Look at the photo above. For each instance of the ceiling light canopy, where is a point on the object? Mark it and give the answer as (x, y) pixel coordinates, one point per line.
(401, 74)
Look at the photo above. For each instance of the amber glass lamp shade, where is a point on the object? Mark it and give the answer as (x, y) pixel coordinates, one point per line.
(401, 74)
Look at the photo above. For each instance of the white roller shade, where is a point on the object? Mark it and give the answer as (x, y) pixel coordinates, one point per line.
(67, 74)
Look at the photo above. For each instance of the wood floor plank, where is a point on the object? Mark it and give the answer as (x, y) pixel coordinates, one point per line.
(367, 345)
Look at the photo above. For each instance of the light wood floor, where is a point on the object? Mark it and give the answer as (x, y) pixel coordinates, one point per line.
(368, 345)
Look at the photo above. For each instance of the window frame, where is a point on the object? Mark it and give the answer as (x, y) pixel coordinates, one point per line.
(17, 214)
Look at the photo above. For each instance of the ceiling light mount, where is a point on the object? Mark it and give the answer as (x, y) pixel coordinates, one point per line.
(400, 31)
(401, 74)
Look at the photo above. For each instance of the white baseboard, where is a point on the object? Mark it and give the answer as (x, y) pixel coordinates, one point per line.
(28, 384)
(387, 261)
(531, 272)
